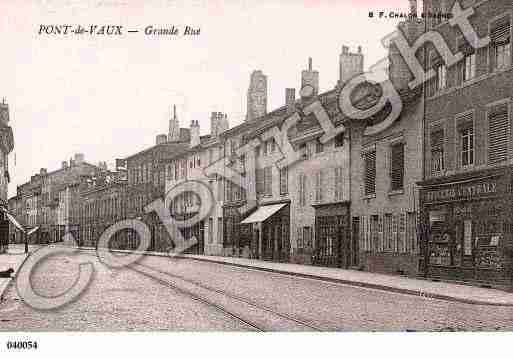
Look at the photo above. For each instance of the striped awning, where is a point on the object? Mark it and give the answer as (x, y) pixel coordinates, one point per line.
(263, 213)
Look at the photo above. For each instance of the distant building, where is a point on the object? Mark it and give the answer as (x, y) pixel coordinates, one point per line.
(6, 147)
(49, 200)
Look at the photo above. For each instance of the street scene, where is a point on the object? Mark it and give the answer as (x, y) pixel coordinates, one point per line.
(162, 293)
(378, 198)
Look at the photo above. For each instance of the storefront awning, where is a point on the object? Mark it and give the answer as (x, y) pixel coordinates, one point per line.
(263, 213)
(13, 220)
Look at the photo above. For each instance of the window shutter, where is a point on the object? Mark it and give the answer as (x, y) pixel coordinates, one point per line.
(402, 232)
(501, 31)
(397, 166)
(482, 61)
(370, 172)
(498, 134)
(381, 245)
(259, 180)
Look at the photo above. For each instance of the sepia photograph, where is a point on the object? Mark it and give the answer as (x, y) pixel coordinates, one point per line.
(334, 172)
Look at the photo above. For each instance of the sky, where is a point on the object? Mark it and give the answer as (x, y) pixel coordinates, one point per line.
(108, 97)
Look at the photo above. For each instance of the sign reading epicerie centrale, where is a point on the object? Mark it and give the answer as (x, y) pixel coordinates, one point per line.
(461, 191)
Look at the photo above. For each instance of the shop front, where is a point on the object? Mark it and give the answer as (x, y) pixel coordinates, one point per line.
(333, 245)
(269, 232)
(469, 223)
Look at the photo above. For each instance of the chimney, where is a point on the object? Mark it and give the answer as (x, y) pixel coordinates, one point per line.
(4, 112)
(223, 124)
(160, 139)
(309, 78)
(350, 65)
(102, 165)
(290, 100)
(195, 134)
(64, 164)
(413, 7)
(79, 158)
(257, 96)
(174, 127)
(43, 172)
(214, 123)
(71, 162)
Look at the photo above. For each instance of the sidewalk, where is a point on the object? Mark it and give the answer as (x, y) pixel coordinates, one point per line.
(400, 284)
(14, 258)
(393, 283)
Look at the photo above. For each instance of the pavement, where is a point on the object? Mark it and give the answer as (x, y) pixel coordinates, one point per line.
(395, 283)
(14, 258)
(462, 293)
(181, 294)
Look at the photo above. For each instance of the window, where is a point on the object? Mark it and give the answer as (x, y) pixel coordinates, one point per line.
(268, 180)
(257, 151)
(500, 36)
(498, 132)
(284, 180)
(260, 188)
(319, 146)
(319, 186)
(397, 167)
(273, 145)
(302, 189)
(370, 173)
(339, 190)
(339, 140)
(437, 151)
(467, 146)
(303, 150)
(265, 148)
(469, 67)
(440, 77)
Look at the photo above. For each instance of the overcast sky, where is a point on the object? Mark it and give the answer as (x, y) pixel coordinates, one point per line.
(108, 97)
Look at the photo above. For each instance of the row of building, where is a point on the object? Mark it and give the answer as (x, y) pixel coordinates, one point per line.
(429, 195)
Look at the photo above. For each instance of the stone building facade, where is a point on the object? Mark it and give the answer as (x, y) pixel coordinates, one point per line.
(466, 195)
(6, 147)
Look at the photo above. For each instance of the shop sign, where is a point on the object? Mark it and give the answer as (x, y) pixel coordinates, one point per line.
(461, 191)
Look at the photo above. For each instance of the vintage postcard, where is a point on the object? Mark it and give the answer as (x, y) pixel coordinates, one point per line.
(240, 166)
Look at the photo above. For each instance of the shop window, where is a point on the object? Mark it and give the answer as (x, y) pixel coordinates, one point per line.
(210, 230)
(498, 133)
(307, 237)
(284, 180)
(397, 166)
(500, 36)
(437, 151)
(370, 173)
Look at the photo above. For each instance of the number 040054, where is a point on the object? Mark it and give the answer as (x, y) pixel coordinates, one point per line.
(22, 345)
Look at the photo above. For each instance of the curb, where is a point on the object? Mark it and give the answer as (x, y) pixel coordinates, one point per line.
(418, 293)
(427, 295)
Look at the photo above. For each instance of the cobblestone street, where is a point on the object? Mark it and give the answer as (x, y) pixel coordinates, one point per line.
(162, 293)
